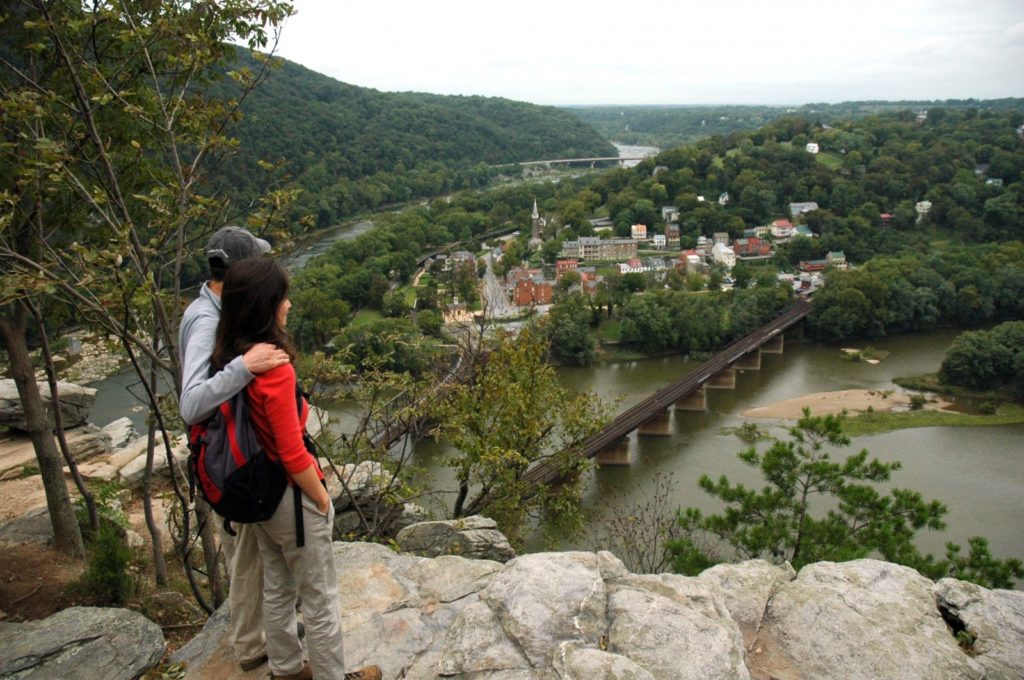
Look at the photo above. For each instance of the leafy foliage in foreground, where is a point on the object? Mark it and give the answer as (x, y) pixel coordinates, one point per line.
(513, 414)
(779, 523)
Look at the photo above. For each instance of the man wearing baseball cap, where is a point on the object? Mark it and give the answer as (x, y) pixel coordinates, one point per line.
(201, 395)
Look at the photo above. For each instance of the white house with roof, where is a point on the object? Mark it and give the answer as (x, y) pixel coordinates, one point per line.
(723, 255)
(922, 208)
(837, 259)
(669, 214)
(659, 241)
(782, 229)
(812, 147)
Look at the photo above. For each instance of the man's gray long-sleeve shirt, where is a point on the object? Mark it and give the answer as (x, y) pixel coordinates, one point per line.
(201, 393)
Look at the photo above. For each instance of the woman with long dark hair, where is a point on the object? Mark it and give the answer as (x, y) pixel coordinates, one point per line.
(254, 308)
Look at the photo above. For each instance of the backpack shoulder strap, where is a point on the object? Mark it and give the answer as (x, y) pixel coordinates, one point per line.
(300, 528)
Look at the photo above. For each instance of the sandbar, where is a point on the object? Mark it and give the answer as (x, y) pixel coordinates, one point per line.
(853, 401)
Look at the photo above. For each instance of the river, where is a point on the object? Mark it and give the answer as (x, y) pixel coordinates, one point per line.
(978, 472)
(633, 151)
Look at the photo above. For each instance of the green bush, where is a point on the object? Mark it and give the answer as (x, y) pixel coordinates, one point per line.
(106, 581)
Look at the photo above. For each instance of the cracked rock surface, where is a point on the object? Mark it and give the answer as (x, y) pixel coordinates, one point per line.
(81, 642)
(582, 615)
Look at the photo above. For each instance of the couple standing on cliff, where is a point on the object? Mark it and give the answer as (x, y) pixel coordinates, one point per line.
(233, 337)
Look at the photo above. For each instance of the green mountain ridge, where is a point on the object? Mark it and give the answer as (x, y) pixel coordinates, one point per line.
(352, 148)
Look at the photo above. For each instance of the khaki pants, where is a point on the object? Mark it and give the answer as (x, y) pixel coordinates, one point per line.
(309, 571)
(245, 596)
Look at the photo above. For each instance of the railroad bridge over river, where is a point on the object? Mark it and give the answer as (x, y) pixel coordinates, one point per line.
(650, 416)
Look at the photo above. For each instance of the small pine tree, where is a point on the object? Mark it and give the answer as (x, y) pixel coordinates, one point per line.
(777, 522)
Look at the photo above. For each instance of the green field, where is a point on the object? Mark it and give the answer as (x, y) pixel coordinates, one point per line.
(876, 423)
(364, 317)
(832, 161)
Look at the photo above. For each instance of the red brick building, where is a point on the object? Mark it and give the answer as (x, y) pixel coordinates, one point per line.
(562, 266)
(532, 292)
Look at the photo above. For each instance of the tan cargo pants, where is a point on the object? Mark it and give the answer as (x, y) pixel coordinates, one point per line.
(245, 596)
(309, 571)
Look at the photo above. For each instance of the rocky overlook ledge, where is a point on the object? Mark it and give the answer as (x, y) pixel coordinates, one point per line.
(580, 615)
(584, 615)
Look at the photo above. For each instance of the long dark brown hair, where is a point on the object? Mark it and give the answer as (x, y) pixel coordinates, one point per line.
(253, 290)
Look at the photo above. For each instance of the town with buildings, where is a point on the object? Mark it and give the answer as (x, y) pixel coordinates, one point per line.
(653, 252)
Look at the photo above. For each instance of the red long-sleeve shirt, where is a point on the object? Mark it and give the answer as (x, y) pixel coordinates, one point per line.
(276, 419)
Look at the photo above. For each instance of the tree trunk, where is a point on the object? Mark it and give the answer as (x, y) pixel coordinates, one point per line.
(58, 426)
(67, 537)
(159, 563)
(211, 553)
(461, 499)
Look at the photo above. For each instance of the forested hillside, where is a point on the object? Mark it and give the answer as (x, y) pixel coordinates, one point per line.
(352, 148)
(669, 126)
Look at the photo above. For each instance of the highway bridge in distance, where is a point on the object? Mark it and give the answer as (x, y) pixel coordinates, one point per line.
(569, 161)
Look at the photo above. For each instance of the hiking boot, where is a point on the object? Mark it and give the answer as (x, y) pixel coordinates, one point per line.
(254, 663)
(368, 673)
(304, 674)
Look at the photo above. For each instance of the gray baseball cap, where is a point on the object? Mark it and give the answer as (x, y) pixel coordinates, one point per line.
(231, 244)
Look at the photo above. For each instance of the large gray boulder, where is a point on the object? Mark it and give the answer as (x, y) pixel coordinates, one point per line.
(395, 611)
(476, 537)
(87, 441)
(121, 431)
(33, 526)
(584, 616)
(994, 618)
(75, 403)
(860, 620)
(85, 643)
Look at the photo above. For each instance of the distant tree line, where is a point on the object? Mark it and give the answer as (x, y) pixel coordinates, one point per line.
(670, 126)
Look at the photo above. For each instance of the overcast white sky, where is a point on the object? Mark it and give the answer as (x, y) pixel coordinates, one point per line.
(667, 51)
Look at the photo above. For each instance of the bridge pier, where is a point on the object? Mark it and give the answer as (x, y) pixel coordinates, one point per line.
(751, 361)
(615, 454)
(656, 426)
(723, 380)
(774, 345)
(695, 401)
